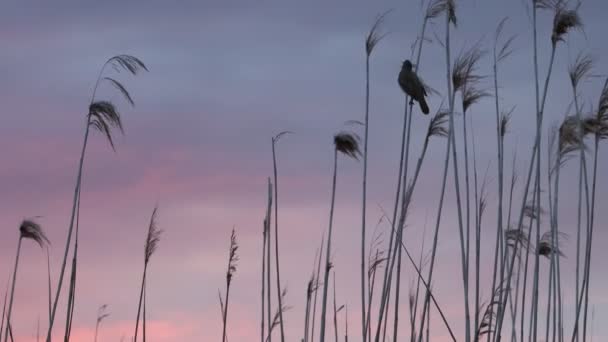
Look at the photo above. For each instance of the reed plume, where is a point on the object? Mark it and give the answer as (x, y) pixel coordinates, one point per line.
(233, 258)
(597, 125)
(152, 240)
(104, 117)
(372, 39)
(28, 230)
(346, 143)
(101, 315)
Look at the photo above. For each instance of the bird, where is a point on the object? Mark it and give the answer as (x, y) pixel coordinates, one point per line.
(412, 86)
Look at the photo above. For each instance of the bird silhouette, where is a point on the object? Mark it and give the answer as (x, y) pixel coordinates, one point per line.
(412, 86)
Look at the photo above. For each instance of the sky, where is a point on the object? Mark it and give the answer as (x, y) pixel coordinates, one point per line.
(226, 76)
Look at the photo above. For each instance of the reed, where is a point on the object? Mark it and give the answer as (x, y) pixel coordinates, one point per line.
(28, 230)
(346, 143)
(101, 315)
(151, 244)
(104, 117)
(372, 39)
(233, 258)
(275, 139)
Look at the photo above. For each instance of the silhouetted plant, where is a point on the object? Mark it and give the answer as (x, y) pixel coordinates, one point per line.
(28, 230)
(276, 228)
(346, 143)
(233, 258)
(101, 315)
(265, 252)
(372, 39)
(104, 117)
(152, 240)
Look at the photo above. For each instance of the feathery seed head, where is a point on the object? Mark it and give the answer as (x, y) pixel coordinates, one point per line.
(602, 109)
(532, 212)
(546, 245)
(437, 125)
(233, 258)
(104, 117)
(580, 69)
(153, 237)
(465, 66)
(597, 123)
(33, 231)
(101, 313)
(437, 7)
(505, 118)
(374, 36)
(514, 237)
(127, 62)
(491, 312)
(471, 95)
(503, 50)
(563, 21)
(348, 143)
(569, 138)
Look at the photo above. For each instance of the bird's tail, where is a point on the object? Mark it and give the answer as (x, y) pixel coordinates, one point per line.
(423, 106)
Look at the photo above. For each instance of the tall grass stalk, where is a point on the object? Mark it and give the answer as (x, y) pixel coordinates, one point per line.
(101, 315)
(72, 290)
(534, 214)
(268, 269)
(434, 9)
(328, 249)
(429, 14)
(347, 144)
(3, 311)
(310, 288)
(597, 125)
(276, 230)
(578, 72)
(336, 310)
(265, 246)
(437, 225)
(417, 295)
(372, 39)
(450, 17)
(479, 206)
(426, 285)
(601, 133)
(470, 95)
(499, 53)
(429, 292)
(233, 258)
(375, 262)
(103, 116)
(262, 325)
(564, 20)
(48, 268)
(553, 164)
(27, 230)
(10, 331)
(317, 284)
(346, 324)
(436, 128)
(152, 240)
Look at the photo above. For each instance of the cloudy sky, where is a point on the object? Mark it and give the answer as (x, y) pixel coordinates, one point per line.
(225, 76)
